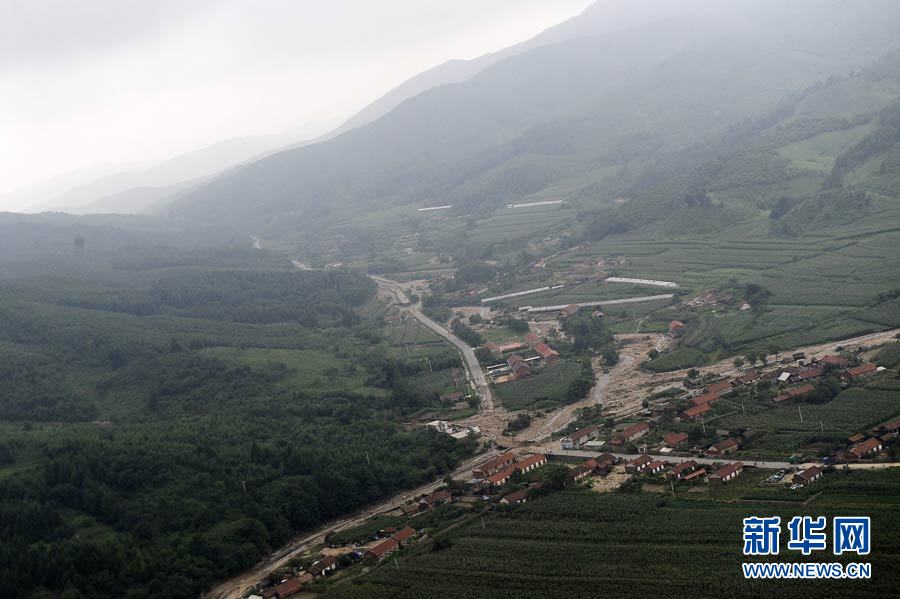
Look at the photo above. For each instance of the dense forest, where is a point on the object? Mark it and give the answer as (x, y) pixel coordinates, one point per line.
(164, 432)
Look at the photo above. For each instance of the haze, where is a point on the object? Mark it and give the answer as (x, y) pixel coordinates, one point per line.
(103, 82)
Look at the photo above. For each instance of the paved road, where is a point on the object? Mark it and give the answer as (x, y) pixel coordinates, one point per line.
(473, 367)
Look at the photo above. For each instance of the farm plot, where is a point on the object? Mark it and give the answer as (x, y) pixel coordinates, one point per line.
(571, 544)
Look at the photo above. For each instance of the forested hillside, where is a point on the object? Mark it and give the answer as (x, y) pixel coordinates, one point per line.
(173, 420)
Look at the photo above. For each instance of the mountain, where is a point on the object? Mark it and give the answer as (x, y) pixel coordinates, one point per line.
(562, 119)
(601, 17)
(137, 189)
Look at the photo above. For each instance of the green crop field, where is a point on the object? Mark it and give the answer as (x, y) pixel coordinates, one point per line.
(578, 544)
(544, 389)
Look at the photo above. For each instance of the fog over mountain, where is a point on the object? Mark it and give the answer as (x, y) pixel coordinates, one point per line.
(556, 118)
(100, 82)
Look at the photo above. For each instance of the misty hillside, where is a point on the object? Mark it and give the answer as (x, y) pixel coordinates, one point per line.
(562, 120)
(602, 17)
(135, 190)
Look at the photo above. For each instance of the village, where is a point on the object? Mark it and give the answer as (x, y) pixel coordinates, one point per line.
(632, 445)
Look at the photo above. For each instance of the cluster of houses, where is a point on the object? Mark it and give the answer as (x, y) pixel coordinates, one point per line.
(526, 356)
(496, 472)
(795, 380)
(862, 445)
(386, 542)
(689, 470)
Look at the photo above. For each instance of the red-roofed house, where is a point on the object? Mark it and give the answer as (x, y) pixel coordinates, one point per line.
(794, 393)
(404, 535)
(706, 398)
(724, 447)
(495, 465)
(835, 361)
(323, 566)
(520, 496)
(547, 353)
(810, 373)
(682, 469)
(809, 475)
(726, 473)
(860, 371)
(868, 446)
(288, 588)
(519, 367)
(745, 379)
(694, 475)
(673, 439)
(632, 433)
(719, 387)
(655, 467)
(638, 463)
(579, 437)
(695, 412)
(532, 462)
(501, 477)
(437, 498)
(382, 549)
(605, 460)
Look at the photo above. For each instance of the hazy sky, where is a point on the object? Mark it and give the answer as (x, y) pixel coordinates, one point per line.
(92, 82)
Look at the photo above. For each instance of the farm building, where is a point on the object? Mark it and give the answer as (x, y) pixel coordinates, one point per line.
(694, 475)
(838, 361)
(809, 374)
(861, 450)
(655, 467)
(580, 437)
(794, 393)
(726, 473)
(706, 398)
(501, 477)
(719, 387)
(696, 411)
(382, 549)
(745, 379)
(404, 535)
(519, 367)
(288, 588)
(860, 371)
(682, 469)
(809, 475)
(520, 496)
(495, 465)
(631, 433)
(582, 471)
(856, 438)
(435, 499)
(605, 460)
(724, 447)
(674, 439)
(532, 462)
(323, 566)
(638, 464)
(547, 353)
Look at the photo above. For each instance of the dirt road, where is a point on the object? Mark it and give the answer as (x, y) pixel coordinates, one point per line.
(238, 587)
